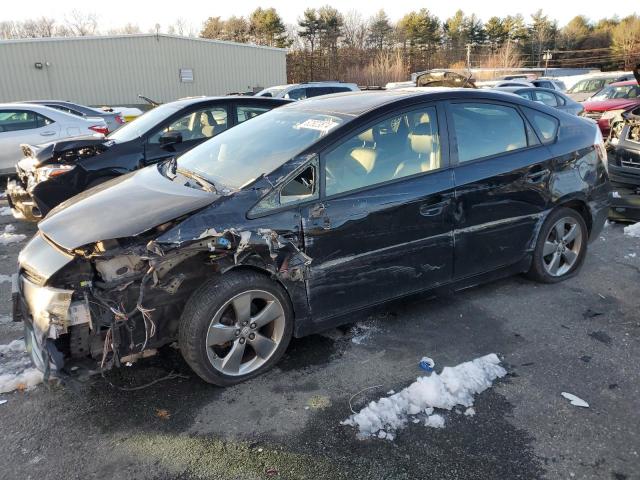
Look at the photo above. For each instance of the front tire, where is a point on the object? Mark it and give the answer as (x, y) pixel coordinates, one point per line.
(561, 247)
(235, 327)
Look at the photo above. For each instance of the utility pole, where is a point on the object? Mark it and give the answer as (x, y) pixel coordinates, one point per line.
(469, 45)
(546, 57)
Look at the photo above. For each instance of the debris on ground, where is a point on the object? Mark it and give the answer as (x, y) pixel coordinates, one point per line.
(2, 402)
(8, 236)
(16, 371)
(576, 401)
(163, 414)
(632, 230)
(470, 412)
(454, 386)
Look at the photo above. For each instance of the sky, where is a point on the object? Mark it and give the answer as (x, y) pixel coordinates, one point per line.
(146, 14)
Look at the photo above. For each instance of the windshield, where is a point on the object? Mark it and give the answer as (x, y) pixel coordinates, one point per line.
(621, 91)
(587, 86)
(241, 154)
(270, 92)
(143, 123)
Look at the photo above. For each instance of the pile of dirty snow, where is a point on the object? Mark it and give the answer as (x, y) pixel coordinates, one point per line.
(454, 386)
(16, 371)
(632, 230)
(8, 236)
(5, 211)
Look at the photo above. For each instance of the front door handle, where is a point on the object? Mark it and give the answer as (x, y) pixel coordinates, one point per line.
(433, 209)
(539, 176)
(47, 134)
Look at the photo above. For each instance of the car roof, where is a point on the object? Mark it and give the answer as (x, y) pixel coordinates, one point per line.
(358, 103)
(186, 102)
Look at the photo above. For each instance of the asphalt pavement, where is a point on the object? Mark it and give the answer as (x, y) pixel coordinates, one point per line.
(580, 336)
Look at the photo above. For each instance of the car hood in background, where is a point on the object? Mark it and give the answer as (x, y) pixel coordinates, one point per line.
(122, 207)
(613, 104)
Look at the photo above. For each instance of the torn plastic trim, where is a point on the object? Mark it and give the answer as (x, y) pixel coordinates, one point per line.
(282, 256)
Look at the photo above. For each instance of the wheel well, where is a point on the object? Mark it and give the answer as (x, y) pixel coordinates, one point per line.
(580, 207)
(266, 273)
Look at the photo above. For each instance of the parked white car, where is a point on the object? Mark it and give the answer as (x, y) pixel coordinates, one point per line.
(300, 91)
(35, 124)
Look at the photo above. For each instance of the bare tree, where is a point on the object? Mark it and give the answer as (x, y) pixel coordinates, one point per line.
(82, 24)
(38, 28)
(128, 29)
(9, 30)
(355, 30)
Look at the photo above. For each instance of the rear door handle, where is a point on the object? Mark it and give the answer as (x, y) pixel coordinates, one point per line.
(537, 177)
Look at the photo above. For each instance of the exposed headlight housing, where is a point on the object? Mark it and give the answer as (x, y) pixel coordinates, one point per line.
(50, 171)
(610, 114)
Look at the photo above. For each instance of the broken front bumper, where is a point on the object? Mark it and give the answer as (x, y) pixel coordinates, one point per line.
(47, 314)
(22, 204)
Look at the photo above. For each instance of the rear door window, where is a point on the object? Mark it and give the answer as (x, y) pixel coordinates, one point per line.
(483, 130)
(547, 98)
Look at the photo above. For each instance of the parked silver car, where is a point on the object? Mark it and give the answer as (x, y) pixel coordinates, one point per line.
(111, 118)
(300, 91)
(546, 96)
(35, 124)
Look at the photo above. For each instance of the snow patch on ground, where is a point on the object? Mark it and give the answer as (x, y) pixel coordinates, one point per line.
(16, 370)
(362, 331)
(454, 386)
(5, 211)
(632, 230)
(5, 278)
(8, 236)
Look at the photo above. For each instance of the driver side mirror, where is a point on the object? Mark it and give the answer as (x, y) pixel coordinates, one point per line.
(170, 138)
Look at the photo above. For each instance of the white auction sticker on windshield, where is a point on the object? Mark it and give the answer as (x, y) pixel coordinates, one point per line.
(316, 124)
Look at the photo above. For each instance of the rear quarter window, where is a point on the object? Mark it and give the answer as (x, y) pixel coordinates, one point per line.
(545, 125)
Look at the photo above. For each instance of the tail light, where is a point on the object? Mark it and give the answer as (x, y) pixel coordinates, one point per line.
(101, 129)
(601, 151)
(120, 119)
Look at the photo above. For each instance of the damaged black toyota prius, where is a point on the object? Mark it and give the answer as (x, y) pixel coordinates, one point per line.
(289, 223)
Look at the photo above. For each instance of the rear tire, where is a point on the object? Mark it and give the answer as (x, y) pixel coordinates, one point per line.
(561, 247)
(235, 327)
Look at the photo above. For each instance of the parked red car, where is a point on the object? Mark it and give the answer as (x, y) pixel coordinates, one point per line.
(610, 102)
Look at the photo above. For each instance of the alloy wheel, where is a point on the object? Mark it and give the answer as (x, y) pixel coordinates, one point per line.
(562, 246)
(245, 332)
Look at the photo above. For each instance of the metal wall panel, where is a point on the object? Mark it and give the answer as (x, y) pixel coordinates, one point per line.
(114, 70)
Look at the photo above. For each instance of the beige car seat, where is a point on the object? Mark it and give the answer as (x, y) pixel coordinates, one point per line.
(424, 145)
(208, 123)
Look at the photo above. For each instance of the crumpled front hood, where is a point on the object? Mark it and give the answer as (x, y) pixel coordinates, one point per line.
(51, 152)
(123, 207)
